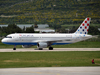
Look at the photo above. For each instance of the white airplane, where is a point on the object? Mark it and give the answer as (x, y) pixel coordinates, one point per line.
(46, 40)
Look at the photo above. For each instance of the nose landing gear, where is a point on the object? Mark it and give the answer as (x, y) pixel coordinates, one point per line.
(14, 47)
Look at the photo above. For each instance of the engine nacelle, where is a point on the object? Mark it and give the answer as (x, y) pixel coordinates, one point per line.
(42, 45)
(27, 46)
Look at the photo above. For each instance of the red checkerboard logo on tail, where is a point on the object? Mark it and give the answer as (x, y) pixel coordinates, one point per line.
(84, 27)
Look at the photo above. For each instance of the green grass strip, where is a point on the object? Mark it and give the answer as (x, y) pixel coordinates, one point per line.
(49, 59)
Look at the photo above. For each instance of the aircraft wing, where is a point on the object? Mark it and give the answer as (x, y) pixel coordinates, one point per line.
(46, 41)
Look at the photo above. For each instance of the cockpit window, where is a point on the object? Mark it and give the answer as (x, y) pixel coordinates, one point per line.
(8, 37)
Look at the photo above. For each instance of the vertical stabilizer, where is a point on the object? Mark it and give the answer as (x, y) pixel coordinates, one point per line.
(84, 27)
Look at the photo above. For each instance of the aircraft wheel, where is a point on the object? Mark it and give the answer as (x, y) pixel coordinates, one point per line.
(14, 48)
(50, 48)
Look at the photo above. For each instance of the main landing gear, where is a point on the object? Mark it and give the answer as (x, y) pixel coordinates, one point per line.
(50, 48)
(40, 48)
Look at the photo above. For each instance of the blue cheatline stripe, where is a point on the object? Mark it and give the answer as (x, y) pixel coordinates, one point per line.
(60, 43)
(29, 43)
(19, 43)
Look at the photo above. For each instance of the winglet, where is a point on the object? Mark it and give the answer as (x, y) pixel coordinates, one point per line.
(84, 27)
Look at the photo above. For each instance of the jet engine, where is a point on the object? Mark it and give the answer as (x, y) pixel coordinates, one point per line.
(27, 46)
(42, 45)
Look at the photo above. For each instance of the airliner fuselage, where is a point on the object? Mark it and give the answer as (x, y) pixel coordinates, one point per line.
(45, 40)
(50, 39)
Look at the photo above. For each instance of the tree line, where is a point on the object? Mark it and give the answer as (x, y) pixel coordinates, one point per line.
(13, 28)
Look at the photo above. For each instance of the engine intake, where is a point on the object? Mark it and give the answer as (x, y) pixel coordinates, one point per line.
(42, 45)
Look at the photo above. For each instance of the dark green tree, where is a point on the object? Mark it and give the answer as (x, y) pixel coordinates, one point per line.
(13, 28)
(30, 29)
(93, 30)
(35, 25)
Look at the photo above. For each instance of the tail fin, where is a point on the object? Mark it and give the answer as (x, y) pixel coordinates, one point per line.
(83, 28)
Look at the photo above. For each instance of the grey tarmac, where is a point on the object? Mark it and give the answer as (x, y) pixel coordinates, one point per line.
(51, 71)
(46, 49)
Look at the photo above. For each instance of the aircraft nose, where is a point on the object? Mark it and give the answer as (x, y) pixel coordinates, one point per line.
(3, 40)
